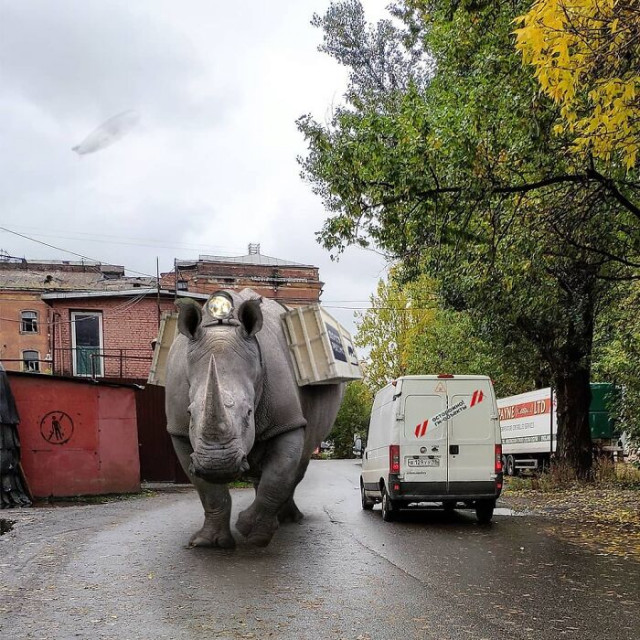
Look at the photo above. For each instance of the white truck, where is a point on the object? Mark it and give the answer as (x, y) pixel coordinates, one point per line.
(529, 426)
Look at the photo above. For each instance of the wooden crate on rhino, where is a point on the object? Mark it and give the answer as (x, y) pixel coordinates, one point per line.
(166, 335)
(321, 347)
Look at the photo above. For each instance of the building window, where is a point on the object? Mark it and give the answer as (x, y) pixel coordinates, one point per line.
(86, 340)
(30, 361)
(29, 322)
(183, 285)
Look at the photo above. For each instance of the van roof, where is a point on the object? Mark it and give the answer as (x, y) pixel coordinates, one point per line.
(433, 377)
(443, 377)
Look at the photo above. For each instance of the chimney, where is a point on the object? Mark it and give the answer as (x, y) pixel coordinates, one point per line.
(254, 248)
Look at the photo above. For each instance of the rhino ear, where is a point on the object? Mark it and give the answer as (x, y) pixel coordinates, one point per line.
(189, 317)
(250, 316)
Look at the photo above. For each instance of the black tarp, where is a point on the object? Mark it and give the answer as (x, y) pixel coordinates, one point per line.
(12, 490)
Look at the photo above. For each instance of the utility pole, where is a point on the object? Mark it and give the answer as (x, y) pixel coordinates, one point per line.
(158, 287)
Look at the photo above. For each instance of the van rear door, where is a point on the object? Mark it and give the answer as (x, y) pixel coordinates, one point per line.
(423, 451)
(472, 436)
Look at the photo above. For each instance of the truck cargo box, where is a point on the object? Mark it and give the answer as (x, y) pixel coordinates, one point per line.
(321, 348)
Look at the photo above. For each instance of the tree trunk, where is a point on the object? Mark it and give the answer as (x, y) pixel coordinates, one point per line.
(573, 395)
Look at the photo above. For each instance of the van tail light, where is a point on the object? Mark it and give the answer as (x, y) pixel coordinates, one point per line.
(498, 458)
(394, 458)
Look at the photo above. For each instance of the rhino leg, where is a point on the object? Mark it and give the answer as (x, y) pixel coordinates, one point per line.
(289, 512)
(216, 501)
(259, 522)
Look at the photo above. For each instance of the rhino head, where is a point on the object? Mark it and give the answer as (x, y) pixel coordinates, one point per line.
(225, 385)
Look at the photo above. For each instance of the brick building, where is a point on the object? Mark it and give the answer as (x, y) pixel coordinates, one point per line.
(25, 318)
(288, 282)
(106, 333)
(91, 320)
(24, 331)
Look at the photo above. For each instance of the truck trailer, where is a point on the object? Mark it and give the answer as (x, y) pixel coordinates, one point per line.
(529, 426)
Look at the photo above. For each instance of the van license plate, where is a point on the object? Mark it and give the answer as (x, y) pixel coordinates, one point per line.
(423, 462)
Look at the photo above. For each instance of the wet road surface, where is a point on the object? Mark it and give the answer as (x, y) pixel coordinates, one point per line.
(122, 570)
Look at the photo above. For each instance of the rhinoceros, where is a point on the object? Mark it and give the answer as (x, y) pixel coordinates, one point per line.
(234, 410)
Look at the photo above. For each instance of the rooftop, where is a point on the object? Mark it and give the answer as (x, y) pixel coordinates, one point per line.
(146, 291)
(65, 275)
(252, 257)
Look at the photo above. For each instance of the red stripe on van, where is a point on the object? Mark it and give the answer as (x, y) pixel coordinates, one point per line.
(421, 429)
(477, 397)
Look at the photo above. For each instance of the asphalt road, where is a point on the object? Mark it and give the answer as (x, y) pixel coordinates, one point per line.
(122, 570)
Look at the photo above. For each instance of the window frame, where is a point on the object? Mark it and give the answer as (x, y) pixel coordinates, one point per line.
(35, 322)
(26, 367)
(74, 361)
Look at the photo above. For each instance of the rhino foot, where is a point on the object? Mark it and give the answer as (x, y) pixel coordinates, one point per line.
(290, 512)
(257, 529)
(209, 537)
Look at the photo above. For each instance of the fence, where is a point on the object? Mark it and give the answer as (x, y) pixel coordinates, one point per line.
(102, 363)
(87, 363)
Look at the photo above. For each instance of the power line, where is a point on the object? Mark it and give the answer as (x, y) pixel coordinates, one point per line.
(137, 242)
(73, 253)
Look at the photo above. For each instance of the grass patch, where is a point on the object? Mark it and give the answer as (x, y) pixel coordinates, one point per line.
(606, 475)
(240, 484)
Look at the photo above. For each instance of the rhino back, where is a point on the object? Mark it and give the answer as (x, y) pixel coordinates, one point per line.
(284, 404)
(320, 405)
(280, 407)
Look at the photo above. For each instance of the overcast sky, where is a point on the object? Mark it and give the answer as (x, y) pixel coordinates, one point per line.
(210, 167)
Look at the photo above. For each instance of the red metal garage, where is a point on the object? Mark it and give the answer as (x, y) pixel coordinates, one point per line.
(78, 437)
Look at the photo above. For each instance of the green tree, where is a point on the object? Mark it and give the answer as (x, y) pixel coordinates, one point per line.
(408, 332)
(398, 313)
(353, 418)
(617, 354)
(453, 343)
(462, 179)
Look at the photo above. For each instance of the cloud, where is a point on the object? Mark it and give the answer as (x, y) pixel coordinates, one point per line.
(212, 163)
(88, 59)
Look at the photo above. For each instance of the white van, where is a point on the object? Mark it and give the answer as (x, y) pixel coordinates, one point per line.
(433, 439)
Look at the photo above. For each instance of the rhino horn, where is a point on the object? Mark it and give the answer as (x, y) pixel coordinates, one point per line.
(216, 422)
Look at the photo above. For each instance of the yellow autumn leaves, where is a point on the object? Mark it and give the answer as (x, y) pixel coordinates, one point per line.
(586, 56)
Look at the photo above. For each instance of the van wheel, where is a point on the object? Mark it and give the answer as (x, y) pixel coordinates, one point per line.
(388, 507)
(484, 510)
(367, 504)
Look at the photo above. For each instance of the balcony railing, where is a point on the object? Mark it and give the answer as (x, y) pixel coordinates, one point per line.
(87, 363)
(102, 363)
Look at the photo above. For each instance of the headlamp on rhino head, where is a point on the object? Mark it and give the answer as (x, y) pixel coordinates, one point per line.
(220, 306)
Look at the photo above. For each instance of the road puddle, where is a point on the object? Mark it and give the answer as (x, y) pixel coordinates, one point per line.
(504, 511)
(5, 526)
